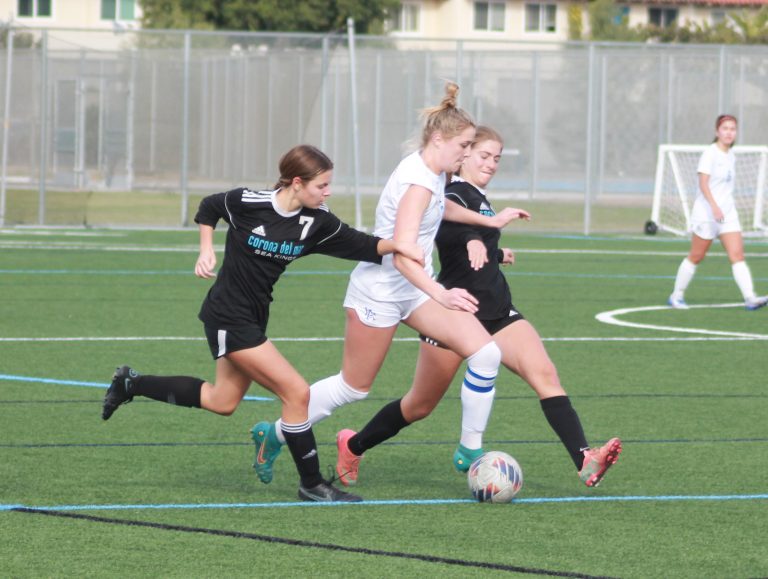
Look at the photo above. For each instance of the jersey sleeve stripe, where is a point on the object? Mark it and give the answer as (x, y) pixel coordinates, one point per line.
(331, 235)
(231, 217)
(456, 198)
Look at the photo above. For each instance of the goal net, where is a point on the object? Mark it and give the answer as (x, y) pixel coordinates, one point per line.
(677, 184)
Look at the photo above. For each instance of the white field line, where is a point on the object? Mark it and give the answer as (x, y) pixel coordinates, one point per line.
(611, 317)
(722, 336)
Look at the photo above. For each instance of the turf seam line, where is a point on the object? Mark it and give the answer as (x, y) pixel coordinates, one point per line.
(387, 443)
(309, 544)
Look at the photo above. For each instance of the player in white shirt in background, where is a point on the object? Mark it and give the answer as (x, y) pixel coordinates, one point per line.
(714, 215)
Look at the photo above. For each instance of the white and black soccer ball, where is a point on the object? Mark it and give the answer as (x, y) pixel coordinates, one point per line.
(495, 477)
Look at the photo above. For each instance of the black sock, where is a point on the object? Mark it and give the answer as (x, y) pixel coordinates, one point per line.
(301, 442)
(565, 422)
(178, 390)
(386, 424)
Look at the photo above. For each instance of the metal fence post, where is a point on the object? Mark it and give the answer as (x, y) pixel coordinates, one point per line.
(535, 121)
(6, 118)
(43, 127)
(589, 139)
(355, 127)
(185, 133)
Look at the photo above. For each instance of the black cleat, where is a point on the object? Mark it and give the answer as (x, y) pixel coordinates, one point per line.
(120, 391)
(325, 492)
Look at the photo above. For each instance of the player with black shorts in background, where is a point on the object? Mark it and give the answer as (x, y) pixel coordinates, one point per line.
(267, 231)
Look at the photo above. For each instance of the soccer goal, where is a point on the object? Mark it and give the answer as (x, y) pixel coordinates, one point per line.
(677, 183)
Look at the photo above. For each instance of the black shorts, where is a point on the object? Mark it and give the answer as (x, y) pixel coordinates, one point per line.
(223, 342)
(491, 326)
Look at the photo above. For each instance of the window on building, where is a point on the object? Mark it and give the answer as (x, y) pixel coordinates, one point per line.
(541, 17)
(719, 16)
(406, 18)
(622, 15)
(118, 9)
(489, 16)
(662, 16)
(34, 8)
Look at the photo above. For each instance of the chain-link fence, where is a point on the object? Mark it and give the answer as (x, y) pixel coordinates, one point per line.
(130, 128)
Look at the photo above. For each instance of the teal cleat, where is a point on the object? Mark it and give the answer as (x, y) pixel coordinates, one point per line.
(268, 448)
(463, 457)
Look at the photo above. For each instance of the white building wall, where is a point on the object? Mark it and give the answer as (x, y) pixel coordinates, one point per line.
(67, 14)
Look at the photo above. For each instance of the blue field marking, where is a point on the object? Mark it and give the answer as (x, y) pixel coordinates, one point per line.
(394, 502)
(13, 378)
(698, 395)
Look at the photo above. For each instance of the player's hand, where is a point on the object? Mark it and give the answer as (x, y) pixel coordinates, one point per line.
(206, 264)
(717, 213)
(458, 299)
(508, 256)
(410, 250)
(477, 253)
(503, 217)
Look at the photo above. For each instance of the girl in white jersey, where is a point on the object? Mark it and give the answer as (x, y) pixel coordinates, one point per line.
(521, 347)
(378, 298)
(714, 215)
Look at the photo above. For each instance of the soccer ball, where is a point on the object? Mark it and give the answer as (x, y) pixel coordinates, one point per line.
(495, 477)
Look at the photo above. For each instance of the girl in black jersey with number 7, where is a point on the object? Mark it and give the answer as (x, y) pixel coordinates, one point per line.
(267, 231)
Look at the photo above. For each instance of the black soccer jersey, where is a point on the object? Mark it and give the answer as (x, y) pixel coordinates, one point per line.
(262, 240)
(488, 284)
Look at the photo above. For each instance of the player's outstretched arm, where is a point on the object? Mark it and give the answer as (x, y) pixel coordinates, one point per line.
(408, 249)
(455, 212)
(503, 217)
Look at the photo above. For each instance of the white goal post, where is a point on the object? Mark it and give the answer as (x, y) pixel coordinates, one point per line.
(677, 184)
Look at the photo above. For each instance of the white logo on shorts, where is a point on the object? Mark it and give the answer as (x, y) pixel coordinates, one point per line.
(370, 315)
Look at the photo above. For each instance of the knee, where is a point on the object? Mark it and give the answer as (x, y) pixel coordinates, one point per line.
(225, 408)
(296, 397)
(546, 382)
(413, 412)
(548, 375)
(486, 358)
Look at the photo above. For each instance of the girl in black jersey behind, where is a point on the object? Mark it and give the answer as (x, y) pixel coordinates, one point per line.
(470, 257)
(267, 231)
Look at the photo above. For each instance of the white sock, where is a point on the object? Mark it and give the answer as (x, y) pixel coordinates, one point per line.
(743, 278)
(326, 396)
(685, 274)
(477, 394)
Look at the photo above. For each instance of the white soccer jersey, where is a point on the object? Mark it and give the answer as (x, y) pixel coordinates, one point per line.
(383, 282)
(721, 168)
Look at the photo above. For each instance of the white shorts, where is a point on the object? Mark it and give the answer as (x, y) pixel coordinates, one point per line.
(705, 227)
(378, 314)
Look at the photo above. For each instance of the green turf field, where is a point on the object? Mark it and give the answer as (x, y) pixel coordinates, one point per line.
(170, 492)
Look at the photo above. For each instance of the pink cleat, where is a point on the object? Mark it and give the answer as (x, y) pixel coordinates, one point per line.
(597, 461)
(347, 463)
